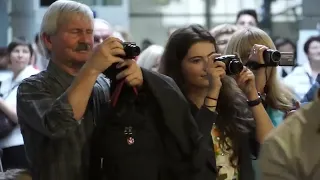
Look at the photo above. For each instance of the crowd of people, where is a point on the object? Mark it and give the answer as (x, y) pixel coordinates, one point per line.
(76, 106)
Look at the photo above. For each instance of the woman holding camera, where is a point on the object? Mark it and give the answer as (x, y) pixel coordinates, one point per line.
(241, 121)
(249, 44)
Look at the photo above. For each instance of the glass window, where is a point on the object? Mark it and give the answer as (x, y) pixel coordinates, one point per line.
(112, 2)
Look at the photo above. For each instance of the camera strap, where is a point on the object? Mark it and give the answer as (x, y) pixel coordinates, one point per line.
(115, 95)
(117, 92)
(255, 65)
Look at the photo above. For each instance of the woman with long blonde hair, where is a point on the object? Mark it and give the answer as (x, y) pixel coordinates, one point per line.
(278, 99)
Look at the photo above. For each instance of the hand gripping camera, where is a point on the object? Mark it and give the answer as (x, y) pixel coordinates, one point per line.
(233, 64)
(132, 51)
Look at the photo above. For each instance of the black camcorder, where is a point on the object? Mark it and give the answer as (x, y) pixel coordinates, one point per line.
(132, 51)
(273, 58)
(233, 64)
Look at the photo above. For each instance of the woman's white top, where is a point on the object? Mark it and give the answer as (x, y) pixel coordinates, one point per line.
(9, 89)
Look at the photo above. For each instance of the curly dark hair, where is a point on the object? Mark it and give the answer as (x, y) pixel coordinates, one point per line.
(234, 114)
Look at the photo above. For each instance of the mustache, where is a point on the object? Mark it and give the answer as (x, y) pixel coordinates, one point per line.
(82, 47)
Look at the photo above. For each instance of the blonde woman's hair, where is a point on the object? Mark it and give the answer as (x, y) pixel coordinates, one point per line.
(277, 96)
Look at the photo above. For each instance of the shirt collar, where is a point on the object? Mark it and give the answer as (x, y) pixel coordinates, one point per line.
(64, 78)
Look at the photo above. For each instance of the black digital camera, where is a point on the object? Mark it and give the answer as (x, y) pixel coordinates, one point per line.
(131, 49)
(233, 64)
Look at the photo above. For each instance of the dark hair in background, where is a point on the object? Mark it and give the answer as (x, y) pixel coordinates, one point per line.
(309, 41)
(234, 114)
(94, 13)
(145, 44)
(278, 42)
(19, 42)
(250, 12)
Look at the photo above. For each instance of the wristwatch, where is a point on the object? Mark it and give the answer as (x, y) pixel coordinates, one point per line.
(255, 102)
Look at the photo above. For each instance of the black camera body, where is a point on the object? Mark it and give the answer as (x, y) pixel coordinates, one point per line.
(271, 57)
(131, 49)
(233, 64)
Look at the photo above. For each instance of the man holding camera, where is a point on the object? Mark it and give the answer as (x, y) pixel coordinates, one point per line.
(59, 110)
(56, 108)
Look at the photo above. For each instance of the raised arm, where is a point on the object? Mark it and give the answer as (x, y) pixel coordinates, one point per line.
(51, 116)
(56, 117)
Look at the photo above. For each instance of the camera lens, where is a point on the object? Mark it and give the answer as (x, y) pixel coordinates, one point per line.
(271, 57)
(131, 50)
(233, 64)
(235, 67)
(136, 50)
(275, 56)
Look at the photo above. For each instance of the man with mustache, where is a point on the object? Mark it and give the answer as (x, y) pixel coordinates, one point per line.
(60, 108)
(57, 108)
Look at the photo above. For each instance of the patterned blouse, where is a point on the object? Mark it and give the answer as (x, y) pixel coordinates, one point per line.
(225, 169)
